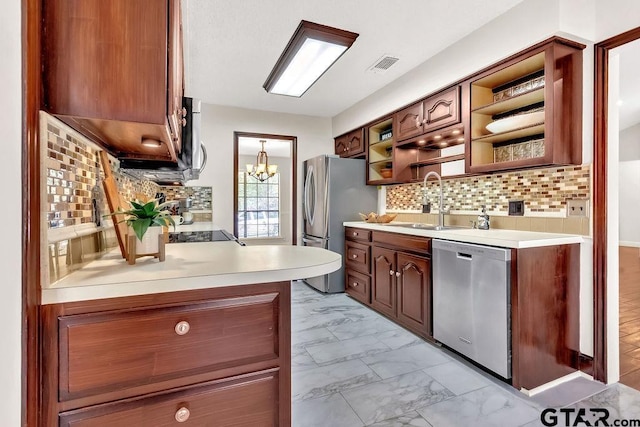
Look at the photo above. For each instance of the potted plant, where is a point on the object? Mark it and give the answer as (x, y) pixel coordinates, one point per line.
(146, 221)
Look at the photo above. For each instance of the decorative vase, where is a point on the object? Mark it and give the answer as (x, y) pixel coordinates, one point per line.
(149, 243)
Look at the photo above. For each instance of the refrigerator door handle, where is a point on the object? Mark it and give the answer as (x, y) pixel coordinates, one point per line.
(310, 195)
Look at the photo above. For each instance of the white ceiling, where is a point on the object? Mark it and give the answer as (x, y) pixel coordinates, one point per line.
(231, 46)
(248, 146)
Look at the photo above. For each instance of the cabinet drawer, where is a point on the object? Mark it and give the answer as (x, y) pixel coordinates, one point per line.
(420, 245)
(358, 285)
(242, 401)
(107, 351)
(358, 234)
(357, 256)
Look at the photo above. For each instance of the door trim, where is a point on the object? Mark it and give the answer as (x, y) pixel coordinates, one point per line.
(600, 145)
(294, 177)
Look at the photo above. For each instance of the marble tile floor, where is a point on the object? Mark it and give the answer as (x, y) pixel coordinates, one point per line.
(352, 367)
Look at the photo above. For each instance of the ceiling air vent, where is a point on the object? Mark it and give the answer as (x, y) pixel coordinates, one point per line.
(383, 64)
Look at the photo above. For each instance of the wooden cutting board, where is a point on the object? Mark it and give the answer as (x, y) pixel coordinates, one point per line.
(115, 202)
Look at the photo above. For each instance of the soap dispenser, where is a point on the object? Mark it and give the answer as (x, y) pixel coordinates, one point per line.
(483, 219)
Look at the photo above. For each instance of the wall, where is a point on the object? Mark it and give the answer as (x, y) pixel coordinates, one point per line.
(629, 197)
(218, 125)
(10, 175)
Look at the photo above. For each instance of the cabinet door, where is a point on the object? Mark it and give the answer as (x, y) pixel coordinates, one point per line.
(442, 109)
(175, 75)
(355, 143)
(407, 123)
(341, 146)
(106, 59)
(383, 292)
(414, 292)
(251, 400)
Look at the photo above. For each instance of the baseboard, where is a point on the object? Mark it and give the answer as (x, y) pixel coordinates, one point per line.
(629, 244)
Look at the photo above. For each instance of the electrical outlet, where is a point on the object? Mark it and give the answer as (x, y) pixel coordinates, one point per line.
(577, 207)
(516, 207)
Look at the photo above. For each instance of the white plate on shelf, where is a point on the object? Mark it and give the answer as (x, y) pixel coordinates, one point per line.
(516, 122)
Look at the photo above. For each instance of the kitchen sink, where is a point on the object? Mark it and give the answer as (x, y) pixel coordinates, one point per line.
(422, 226)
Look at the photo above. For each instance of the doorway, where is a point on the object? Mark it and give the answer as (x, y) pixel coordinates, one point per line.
(265, 197)
(607, 314)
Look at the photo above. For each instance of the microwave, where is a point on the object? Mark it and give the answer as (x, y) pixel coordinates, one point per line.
(190, 162)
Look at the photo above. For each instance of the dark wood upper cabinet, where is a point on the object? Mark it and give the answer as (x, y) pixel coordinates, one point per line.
(435, 112)
(350, 144)
(113, 70)
(526, 111)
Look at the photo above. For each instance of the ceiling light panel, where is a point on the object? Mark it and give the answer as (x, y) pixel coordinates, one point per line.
(313, 48)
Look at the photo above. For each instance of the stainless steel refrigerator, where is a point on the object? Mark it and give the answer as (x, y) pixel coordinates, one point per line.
(335, 191)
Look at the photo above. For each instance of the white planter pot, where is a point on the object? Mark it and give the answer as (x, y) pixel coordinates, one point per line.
(149, 243)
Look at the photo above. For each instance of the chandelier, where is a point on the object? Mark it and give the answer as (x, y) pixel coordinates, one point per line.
(262, 170)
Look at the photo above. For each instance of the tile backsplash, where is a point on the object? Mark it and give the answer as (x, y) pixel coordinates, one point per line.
(544, 192)
(73, 199)
(74, 179)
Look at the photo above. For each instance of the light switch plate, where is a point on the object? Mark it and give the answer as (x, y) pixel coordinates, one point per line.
(578, 207)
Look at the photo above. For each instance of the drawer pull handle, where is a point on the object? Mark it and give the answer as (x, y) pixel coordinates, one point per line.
(182, 328)
(355, 233)
(355, 284)
(182, 414)
(354, 256)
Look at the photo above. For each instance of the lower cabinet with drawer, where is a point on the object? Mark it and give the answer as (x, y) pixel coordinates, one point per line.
(219, 356)
(394, 278)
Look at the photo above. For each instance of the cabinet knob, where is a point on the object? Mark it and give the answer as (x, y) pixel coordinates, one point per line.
(391, 272)
(182, 111)
(355, 284)
(397, 274)
(182, 328)
(354, 256)
(418, 122)
(182, 414)
(183, 122)
(355, 233)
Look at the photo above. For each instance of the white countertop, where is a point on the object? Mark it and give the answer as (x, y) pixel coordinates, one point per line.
(189, 266)
(495, 237)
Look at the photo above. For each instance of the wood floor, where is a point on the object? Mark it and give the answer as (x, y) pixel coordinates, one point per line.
(630, 317)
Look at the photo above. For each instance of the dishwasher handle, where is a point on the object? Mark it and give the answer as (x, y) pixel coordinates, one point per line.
(464, 256)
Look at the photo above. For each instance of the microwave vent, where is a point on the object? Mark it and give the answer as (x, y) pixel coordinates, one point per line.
(383, 64)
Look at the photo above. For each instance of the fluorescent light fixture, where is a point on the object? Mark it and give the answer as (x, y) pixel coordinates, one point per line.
(310, 52)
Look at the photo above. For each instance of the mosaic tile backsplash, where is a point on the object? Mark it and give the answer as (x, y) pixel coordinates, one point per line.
(200, 196)
(542, 190)
(74, 180)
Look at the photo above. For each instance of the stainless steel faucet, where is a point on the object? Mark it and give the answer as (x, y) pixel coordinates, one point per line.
(425, 201)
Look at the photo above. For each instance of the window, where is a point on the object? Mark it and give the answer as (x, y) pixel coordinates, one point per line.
(258, 206)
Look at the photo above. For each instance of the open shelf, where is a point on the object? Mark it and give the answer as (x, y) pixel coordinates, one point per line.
(518, 101)
(512, 134)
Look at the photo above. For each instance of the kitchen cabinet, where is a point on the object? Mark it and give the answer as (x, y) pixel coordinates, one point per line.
(526, 111)
(357, 263)
(396, 281)
(385, 165)
(435, 112)
(218, 355)
(401, 280)
(114, 72)
(350, 144)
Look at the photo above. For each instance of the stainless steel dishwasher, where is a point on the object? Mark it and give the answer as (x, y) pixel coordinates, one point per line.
(471, 302)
